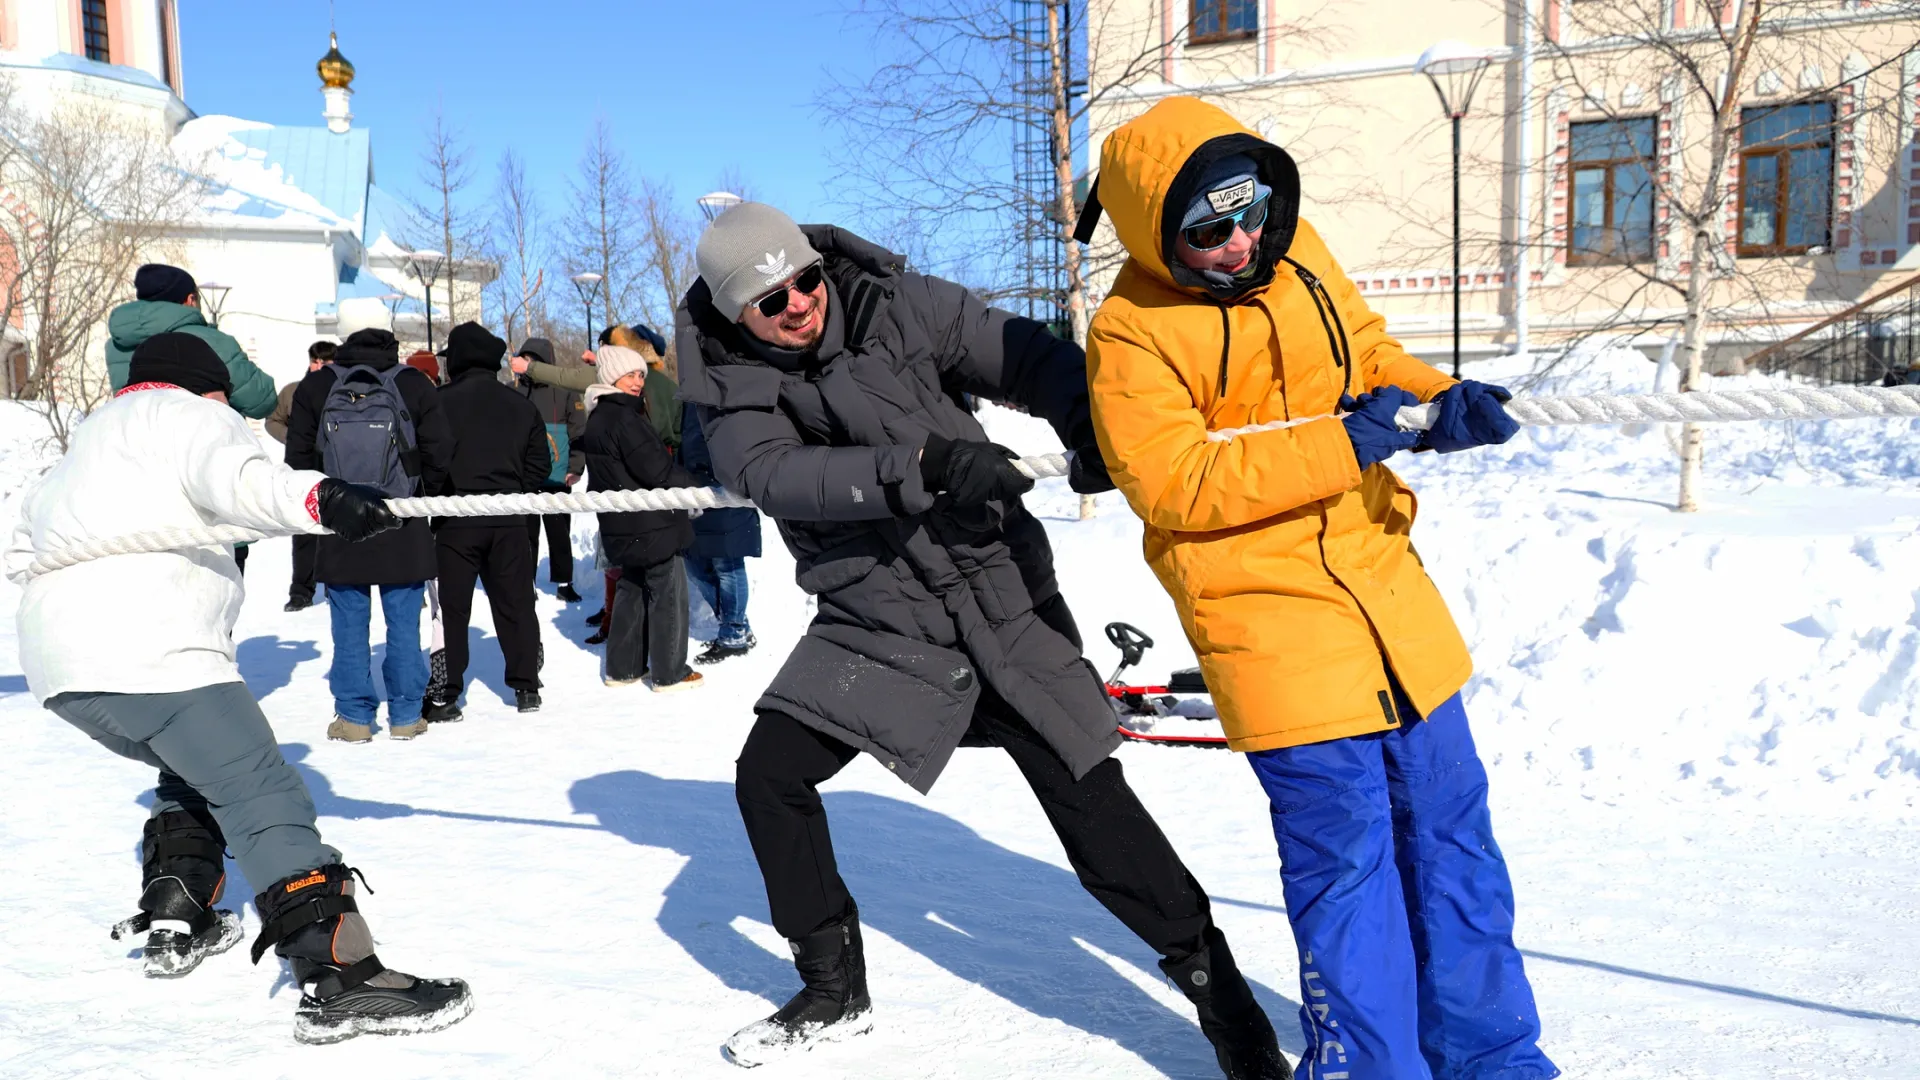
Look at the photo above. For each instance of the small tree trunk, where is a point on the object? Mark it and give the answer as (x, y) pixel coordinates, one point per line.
(1086, 507)
(1707, 234)
(1061, 123)
(1693, 441)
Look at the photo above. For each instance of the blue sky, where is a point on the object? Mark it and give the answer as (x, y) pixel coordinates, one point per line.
(690, 90)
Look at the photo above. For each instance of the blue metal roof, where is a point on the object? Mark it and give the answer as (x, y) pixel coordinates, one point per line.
(334, 169)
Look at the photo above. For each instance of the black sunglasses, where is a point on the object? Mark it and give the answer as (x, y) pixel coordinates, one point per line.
(775, 302)
(1215, 233)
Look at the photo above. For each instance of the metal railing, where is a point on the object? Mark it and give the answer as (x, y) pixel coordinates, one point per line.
(1874, 341)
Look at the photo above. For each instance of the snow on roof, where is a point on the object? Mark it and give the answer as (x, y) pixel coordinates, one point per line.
(278, 177)
(80, 65)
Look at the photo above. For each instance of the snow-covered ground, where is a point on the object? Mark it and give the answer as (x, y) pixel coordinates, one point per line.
(1701, 733)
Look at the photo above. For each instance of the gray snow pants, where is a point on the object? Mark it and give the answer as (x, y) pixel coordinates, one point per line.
(214, 749)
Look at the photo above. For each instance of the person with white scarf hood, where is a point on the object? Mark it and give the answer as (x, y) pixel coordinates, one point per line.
(647, 621)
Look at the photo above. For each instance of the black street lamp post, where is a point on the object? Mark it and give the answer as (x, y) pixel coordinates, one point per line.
(426, 266)
(1455, 71)
(212, 297)
(588, 286)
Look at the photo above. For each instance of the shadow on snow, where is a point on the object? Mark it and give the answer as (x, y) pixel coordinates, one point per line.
(1009, 923)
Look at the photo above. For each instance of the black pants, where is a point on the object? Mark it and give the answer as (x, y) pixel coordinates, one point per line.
(498, 555)
(1114, 845)
(304, 549)
(559, 546)
(649, 631)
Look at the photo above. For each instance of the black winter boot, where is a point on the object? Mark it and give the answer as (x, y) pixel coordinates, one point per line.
(832, 1005)
(1236, 1025)
(311, 919)
(182, 872)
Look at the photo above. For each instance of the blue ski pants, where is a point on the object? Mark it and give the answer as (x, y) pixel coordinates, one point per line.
(1401, 907)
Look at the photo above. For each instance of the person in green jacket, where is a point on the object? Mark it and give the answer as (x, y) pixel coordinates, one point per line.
(663, 394)
(168, 301)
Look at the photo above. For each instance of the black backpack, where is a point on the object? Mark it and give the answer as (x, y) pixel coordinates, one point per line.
(366, 433)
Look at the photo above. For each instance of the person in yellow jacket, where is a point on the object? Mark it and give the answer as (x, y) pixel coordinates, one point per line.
(1331, 656)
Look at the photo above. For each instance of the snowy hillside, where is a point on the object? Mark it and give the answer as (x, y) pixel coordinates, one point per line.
(1701, 733)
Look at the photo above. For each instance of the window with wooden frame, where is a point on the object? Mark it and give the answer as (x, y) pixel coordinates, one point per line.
(164, 19)
(93, 30)
(1223, 20)
(1786, 178)
(1611, 162)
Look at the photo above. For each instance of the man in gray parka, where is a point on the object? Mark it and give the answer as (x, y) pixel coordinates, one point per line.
(831, 384)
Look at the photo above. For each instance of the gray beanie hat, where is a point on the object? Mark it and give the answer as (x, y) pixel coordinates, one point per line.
(747, 251)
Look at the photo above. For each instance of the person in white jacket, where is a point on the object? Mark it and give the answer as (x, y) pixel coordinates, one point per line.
(159, 683)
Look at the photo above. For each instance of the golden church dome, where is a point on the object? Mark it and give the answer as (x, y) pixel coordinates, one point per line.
(335, 70)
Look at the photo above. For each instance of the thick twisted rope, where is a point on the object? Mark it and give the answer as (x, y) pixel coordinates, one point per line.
(1798, 403)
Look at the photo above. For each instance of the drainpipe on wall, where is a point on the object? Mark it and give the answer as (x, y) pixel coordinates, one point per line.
(1523, 200)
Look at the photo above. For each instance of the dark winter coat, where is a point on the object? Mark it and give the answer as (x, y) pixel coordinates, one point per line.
(131, 324)
(499, 443)
(717, 534)
(920, 601)
(558, 405)
(625, 453)
(404, 556)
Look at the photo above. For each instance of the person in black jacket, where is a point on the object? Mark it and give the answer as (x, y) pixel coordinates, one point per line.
(400, 562)
(499, 447)
(647, 625)
(830, 382)
(564, 415)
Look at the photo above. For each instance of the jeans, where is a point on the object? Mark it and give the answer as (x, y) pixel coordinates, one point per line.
(216, 754)
(405, 668)
(722, 584)
(1401, 907)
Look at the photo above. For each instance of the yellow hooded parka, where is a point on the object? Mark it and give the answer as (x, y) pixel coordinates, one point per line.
(1291, 568)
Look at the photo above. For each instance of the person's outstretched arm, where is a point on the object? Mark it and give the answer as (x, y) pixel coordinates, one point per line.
(1155, 443)
(757, 453)
(229, 477)
(1000, 356)
(254, 394)
(575, 379)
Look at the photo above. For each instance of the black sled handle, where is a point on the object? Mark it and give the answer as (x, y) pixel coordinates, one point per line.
(1132, 642)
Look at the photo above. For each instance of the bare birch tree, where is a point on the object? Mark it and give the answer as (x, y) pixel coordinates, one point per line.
(1707, 71)
(520, 249)
(444, 212)
(91, 197)
(603, 227)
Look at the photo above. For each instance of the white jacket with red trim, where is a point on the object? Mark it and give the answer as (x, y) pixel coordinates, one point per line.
(155, 457)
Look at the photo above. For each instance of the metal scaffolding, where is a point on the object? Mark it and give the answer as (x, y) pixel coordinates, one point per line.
(1040, 272)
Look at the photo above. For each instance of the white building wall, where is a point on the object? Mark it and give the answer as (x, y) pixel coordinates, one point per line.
(42, 27)
(275, 284)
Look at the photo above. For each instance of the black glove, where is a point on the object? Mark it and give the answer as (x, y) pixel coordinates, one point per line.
(1087, 473)
(971, 472)
(353, 512)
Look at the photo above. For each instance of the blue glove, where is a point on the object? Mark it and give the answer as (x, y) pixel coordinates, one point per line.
(1371, 426)
(1470, 415)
